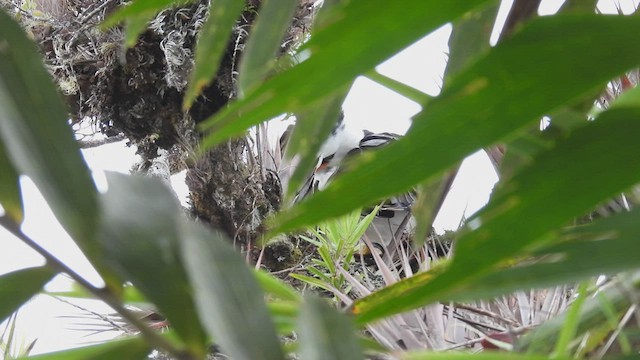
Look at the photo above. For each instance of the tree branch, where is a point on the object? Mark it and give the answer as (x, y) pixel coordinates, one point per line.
(151, 336)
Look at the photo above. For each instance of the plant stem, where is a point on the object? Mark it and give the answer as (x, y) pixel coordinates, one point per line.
(152, 337)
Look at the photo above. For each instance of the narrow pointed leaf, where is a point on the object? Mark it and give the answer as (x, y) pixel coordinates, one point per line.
(261, 50)
(578, 185)
(273, 286)
(10, 197)
(132, 348)
(592, 314)
(401, 88)
(347, 33)
(212, 42)
(139, 236)
(137, 15)
(137, 9)
(227, 296)
(469, 39)
(311, 130)
(507, 90)
(19, 286)
(326, 333)
(37, 138)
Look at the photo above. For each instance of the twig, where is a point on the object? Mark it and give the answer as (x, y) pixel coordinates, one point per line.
(486, 313)
(152, 337)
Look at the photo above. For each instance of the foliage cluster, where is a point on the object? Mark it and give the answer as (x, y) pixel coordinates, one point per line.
(526, 237)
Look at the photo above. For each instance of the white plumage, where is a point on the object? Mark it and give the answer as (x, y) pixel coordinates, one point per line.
(394, 219)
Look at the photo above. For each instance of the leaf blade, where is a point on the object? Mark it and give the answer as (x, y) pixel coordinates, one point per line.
(526, 196)
(211, 44)
(19, 286)
(228, 298)
(31, 114)
(139, 237)
(490, 100)
(352, 29)
(265, 39)
(325, 333)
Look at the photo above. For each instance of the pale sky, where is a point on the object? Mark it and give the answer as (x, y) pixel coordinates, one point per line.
(368, 106)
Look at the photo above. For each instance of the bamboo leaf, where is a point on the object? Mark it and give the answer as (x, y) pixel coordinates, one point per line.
(592, 317)
(10, 197)
(504, 92)
(325, 333)
(272, 285)
(139, 236)
(136, 15)
(348, 33)
(138, 8)
(212, 42)
(19, 286)
(131, 348)
(227, 296)
(577, 186)
(311, 130)
(37, 138)
(264, 42)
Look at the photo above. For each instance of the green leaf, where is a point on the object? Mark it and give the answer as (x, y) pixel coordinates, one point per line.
(500, 94)
(313, 281)
(274, 286)
(348, 33)
(139, 236)
(326, 333)
(592, 318)
(19, 286)
(578, 185)
(311, 130)
(131, 348)
(228, 298)
(137, 15)
(401, 88)
(264, 42)
(138, 8)
(284, 315)
(470, 38)
(10, 197)
(569, 329)
(212, 42)
(578, 253)
(37, 138)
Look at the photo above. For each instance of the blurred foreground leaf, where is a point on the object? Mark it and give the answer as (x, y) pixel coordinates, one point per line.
(10, 197)
(131, 348)
(507, 90)
(212, 42)
(227, 296)
(37, 137)
(139, 235)
(328, 68)
(593, 317)
(264, 42)
(136, 15)
(577, 185)
(326, 333)
(19, 286)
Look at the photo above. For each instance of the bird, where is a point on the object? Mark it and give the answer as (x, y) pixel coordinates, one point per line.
(393, 223)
